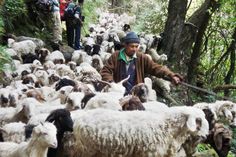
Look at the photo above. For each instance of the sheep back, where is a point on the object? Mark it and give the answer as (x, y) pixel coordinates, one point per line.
(130, 133)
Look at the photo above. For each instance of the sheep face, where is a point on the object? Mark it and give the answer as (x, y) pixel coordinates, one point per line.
(222, 138)
(13, 99)
(224, 109)
(43, 53)
(141, 91)
(53, 78)
(46, 134)
(64, 82)
(62, 120)
(88, 49)
(133, 104)
(96, 64)
(99, 39)
(4, 101)
(28, 80)
(198, 125)
(72, 65)
(28, 110)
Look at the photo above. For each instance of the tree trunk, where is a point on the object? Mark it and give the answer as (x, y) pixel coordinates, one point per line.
(179, 35)
(200, 19)
(230, 73)
(173, 28)
(224, 87)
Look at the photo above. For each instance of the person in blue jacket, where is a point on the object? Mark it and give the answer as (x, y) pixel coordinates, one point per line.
(57, 30)
(74, 22)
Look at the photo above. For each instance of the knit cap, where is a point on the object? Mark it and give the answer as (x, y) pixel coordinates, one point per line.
(131, 37)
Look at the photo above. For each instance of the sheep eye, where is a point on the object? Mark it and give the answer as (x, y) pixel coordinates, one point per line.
(44, 133)
(233, 113)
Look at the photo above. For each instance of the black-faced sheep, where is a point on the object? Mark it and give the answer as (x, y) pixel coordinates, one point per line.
(64, 82)
(62, 120)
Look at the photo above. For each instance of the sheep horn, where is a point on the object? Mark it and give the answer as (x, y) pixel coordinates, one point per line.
(104, 82)
(124, 80)
(2, 130)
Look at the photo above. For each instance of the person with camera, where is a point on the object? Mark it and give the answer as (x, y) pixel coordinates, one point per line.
(57, 30)
(74, 22)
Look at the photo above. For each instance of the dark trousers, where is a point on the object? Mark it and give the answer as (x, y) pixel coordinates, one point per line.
(77, 36)
(73, 33)
(70, 32)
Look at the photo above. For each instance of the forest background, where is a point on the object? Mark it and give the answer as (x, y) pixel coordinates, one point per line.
(199, 37)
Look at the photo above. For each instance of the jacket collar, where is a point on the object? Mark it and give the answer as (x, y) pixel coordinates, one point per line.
(124, 57)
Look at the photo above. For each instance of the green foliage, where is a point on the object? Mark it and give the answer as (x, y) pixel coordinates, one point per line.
(4, 58)
(1, 26)
(151, 16)
(15, 13)
(216, 42)
(90, 8)
(208, 151)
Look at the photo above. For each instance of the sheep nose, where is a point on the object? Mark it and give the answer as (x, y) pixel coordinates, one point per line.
(233, 126)
(4, 100)
(53, 145)
(77, 107)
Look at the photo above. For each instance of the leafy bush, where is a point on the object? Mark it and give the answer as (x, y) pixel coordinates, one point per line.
(4, 58)
(15, 13)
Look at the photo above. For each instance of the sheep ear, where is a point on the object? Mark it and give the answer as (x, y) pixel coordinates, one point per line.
(191, 123)
(36, 130)
(21, 108)
(148, 82)
(103, 82)
(228, 114)
(218, 140)
(51, 118)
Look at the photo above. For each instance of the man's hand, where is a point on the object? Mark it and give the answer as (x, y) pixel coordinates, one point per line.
(176, 79)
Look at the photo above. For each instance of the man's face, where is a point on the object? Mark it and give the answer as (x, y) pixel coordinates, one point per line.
(131, 48)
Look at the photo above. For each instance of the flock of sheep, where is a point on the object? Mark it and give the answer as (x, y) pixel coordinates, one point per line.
(55, 104)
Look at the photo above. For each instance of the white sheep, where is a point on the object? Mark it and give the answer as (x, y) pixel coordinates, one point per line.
(80, 56)
(42, 76)
(43, 136)
(73, 100)
(9, 132)
(23, 112)
(137, 133)
(108, 100)
(56, 57)
(23, 47)
(86, 73)
(219, 109)
(97, 62)
(38, 42)
(11, 52)
(64, 70)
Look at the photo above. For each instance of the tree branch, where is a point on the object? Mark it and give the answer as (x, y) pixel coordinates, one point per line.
(223, 87)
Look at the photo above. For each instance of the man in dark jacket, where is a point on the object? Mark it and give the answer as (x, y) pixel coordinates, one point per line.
(74, 22)
(129, 61)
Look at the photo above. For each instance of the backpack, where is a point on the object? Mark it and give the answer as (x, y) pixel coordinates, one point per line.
(70, 11)
(44, 5)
